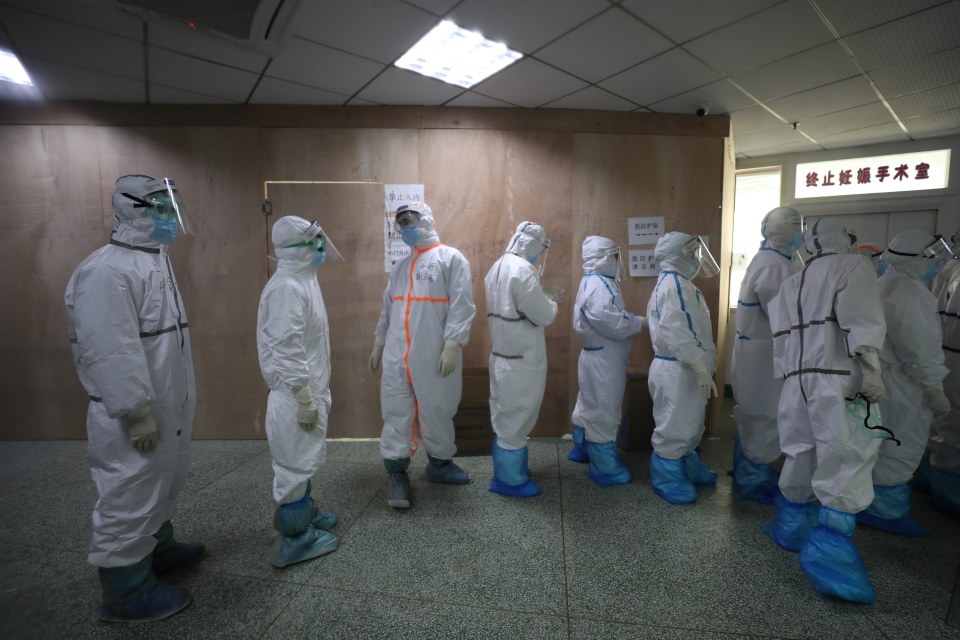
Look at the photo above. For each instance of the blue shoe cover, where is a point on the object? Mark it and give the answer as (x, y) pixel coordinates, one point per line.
(890, 511)
(293, 518)
(669, 480)
(792, 523)
(945, 492)
(752, 480)
(311, 543)
(832, 562)
(398, 489)
(157, 603)
(170, 554)
(321, 519)
(921, 479)
(697, 472)
(445, 472)
(510, 474)
(579, 451)
(606, 469)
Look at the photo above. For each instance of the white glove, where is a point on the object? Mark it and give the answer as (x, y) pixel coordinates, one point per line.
(704, 379)
(937, 401)
(142, 429)
(872, 386)
(448, 358)
(642, 320)
(307, 413)
(554, 293)
(376, 355)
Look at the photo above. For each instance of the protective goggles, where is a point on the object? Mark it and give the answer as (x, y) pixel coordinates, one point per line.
(161, 200)
(697, 248)
(406, 219)
(314, 237)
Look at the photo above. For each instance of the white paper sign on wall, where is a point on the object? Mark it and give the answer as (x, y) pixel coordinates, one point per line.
(394, 195)
(643, 264)
(644, 230)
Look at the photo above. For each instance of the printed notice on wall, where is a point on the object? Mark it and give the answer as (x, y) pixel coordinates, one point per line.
(645, 230)
(394, 195)
(642, 263)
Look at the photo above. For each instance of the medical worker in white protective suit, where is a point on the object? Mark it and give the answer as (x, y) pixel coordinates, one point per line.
(604, 327)
(426, 317)
(913, 373)
(131, 346)
(944, 462)
(681, 374)
(828, 329)
(293, 345)
(518, 309)
(755, 387)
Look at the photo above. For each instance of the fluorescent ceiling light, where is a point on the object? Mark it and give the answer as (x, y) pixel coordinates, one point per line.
(457, 56)
(11, 70)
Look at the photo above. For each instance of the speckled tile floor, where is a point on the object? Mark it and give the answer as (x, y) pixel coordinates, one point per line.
(576, 562)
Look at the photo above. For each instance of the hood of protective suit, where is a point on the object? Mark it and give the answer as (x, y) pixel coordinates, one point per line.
(134, 225)
(594, 251)
(529, 240)
(904, 253)
(669, 253)
(425, 223)
(289, 230)
(827, 234)
(779, 225)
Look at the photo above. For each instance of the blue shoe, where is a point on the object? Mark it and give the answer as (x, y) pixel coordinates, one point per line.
(170, 554)
(697, 472)
(398, 490)
(890, 511)
(792, 523)
(945, 492)
(832, 562)
(310, 544)
(511, 477)
(579, 451)
(752, 480)
(669, 480)
(921, 480)
(157, 603)
(445, 472)
(606, 469)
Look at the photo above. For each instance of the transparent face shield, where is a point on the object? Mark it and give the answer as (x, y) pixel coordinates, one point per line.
(162, 201)
(540, 264)
(698, 250)
(615, 251)
(314, 237)
(939, 251)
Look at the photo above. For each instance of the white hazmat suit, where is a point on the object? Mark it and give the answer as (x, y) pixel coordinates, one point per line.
(604, 327)
(517, 311)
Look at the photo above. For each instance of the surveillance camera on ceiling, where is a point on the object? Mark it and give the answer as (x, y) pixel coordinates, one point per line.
(702, 109)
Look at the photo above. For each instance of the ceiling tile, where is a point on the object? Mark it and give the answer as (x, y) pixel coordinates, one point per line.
(916, 36)
(308, 63)
(782, 30)
(381, 30)
(758, 149)
(529, 83)
(927, 102)
(765, 138)
(63, 82)
(527, 25)
(184, 40)
(471, 99)
(752, 119)
(723, 97)
(357, 102)
(683, 20)
(869, 115)
(52, 40)
(592, 98)
(667, 75)
(439, 7)
(160, 94)
(13, 92)
(88, 14)
(604, 46)
(272, 91)
(851, 16)
(397, 86)
(191, 74)
(836, 96)
(917, 75)
(944, 123)
(813, 68)
(889, 132)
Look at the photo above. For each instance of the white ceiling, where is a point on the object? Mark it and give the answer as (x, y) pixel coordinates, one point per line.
(794, 75)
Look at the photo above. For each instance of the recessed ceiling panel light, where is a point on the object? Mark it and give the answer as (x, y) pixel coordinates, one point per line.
(11, 70)
(457, 56)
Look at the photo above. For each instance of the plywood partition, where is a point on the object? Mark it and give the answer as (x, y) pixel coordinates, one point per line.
(484, 171)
